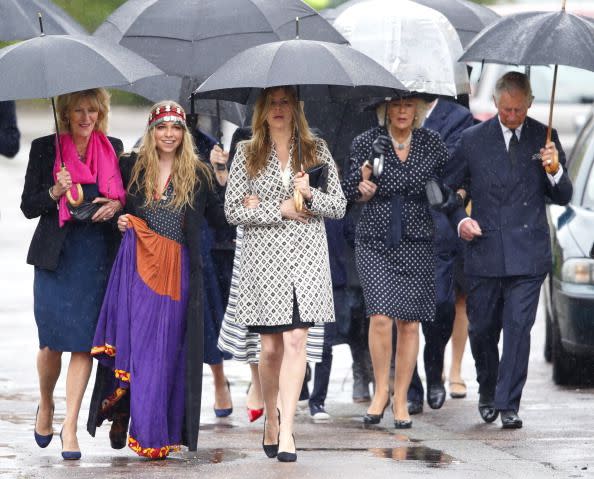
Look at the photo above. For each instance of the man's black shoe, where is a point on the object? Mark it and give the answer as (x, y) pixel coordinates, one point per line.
(436, 395)
(486, 407)
(415, 406)
(510, 420)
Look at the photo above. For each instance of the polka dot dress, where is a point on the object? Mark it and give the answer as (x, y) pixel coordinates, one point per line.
(397, 280)
(165, 221)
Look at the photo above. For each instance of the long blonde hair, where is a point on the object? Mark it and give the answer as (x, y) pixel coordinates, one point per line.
(99, 99)
(184, 177)
(258, 148)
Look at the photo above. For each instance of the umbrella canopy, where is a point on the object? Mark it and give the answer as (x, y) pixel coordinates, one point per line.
(536, 38)
(57, 64)
(194, 37)
(19, 20)
(321, 69)
(468, 18)
(417, 44)
(179, 89)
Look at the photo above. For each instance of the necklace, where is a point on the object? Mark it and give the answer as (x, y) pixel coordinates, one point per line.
(404, 144)
(164, 193)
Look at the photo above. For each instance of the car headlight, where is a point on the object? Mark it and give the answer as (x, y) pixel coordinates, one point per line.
(578, 270)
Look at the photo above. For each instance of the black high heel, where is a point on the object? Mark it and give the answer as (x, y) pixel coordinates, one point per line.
(375, 418)
(42, 441)
(271, 450)
(284, 456)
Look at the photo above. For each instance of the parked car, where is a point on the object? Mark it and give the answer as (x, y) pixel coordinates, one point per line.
(569, 289)
(573, 100)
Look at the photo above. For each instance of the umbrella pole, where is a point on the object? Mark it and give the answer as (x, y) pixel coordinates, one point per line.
(219, 130)
(550, 127)
(57, 133)
(297, 196)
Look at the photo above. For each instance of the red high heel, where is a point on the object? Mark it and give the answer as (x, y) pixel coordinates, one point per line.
(254, 414)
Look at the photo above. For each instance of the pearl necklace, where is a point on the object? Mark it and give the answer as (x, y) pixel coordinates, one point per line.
(403, 145)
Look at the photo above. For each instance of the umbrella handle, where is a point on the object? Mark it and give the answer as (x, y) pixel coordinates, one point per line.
(79, 197)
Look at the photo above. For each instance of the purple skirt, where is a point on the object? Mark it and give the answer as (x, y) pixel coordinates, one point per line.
(140, 336)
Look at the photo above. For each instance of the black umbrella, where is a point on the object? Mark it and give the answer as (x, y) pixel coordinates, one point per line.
(468, 18)
(537, 38)
(52, 65)
(320, 69)
(18, 20)
(192, 38)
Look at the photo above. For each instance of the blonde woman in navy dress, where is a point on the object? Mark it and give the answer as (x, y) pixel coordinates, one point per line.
(393, 245)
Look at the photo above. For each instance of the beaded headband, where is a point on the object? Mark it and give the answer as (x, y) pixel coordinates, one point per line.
(167, 112)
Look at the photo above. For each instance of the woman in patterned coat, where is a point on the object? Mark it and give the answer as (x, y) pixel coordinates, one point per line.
(284, 286)
(394, 243)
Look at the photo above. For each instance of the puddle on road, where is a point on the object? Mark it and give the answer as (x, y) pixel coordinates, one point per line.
(430, 457)
(206, 456)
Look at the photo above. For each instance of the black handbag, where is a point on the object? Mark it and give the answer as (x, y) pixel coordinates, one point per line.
(84, 212)
(318, 177)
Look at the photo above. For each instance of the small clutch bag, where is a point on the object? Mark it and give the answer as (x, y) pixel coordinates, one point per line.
(85, 210)
(318, 177)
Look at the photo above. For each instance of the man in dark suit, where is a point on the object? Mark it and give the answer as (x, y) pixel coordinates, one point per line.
(449, 119)
(510, 177)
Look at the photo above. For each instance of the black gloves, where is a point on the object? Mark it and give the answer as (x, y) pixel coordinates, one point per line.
(381, 145)
(441, 197)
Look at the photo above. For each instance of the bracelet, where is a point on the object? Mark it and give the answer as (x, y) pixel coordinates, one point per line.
(52, 196)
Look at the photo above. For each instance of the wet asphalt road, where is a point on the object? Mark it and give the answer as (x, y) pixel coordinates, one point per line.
(556, 441)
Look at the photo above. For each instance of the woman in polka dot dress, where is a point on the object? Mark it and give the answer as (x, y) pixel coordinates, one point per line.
(394, 249)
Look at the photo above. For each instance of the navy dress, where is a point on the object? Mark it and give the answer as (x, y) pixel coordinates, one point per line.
(394, 237)
(67, 300)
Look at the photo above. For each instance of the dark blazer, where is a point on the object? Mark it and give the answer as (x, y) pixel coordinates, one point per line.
(508, 204)
(449, 119)
(207, 203)
(48, 238)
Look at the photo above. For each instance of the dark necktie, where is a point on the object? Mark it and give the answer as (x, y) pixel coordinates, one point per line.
(513, 149)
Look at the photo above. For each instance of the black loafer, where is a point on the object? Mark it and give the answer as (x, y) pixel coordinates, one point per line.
(486, 407)
(510, 420)
(436, 395)
(415, 406)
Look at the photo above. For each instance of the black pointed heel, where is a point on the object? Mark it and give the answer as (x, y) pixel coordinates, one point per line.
(41, 440)
(271, 450)
(375, 418)
(284, 456)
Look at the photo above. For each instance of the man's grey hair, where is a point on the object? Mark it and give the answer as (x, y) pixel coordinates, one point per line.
(513, 81)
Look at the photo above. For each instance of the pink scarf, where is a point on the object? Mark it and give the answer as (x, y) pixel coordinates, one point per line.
(101, 167)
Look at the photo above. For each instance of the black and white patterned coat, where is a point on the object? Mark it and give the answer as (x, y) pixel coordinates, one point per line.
(279, 254)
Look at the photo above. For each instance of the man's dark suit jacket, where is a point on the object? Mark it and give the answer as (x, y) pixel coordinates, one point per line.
(449, 120)
(508, 204)
(9, 132)
(48, 238)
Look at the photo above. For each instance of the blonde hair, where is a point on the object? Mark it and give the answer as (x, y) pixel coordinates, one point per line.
(99, 99)
(421, 109)
(184, 177)
(258, 148)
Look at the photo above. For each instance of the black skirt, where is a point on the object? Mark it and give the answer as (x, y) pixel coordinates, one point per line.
(281, 328)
